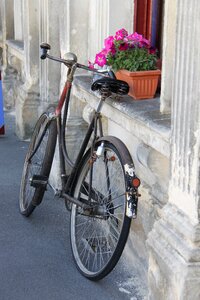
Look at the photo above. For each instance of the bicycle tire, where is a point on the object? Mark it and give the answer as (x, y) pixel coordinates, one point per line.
(93, 244)
(43, 143)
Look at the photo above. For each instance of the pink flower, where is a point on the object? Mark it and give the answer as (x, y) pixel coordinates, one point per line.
(109, 45)
(90, 65)
(103, 51)
(100, 58)
(112, 50)
(124, 44)
(145, 43)
(121, 34)
(123, 47)
(135, 37)
(109, 42)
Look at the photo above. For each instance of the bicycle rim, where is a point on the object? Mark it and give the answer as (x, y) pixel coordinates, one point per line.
(39, 164)
(98, 239)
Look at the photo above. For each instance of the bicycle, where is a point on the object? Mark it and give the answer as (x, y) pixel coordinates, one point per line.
(102, 189)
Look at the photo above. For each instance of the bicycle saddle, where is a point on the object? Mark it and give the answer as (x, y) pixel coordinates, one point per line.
(112, 85)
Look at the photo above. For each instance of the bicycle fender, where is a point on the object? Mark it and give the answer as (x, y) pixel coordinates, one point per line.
(129, 170)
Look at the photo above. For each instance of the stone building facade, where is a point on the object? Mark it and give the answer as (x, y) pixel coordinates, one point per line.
(162, 134)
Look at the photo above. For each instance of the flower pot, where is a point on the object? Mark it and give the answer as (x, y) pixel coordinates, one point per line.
(142, 84)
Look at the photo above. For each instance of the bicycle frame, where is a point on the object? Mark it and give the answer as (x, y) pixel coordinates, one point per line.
(68, 181)
(64, 100)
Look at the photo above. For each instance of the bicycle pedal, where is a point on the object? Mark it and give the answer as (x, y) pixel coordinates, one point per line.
(57, 194)
(68, 205)
(39, 181)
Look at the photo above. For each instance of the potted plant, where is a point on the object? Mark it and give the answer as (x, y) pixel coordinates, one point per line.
(133, 60)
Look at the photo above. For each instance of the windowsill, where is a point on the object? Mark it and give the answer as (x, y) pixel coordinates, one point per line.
(16, 48)
(141, 118)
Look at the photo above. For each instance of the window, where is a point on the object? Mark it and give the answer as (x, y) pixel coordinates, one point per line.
(148, 20)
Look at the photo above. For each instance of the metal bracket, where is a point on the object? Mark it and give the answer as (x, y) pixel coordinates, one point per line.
(131, 193)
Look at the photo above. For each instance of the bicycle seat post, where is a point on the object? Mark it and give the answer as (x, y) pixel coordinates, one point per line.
(100, 104)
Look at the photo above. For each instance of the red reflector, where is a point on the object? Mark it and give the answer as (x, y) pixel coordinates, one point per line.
(112, 158)
(136, 182)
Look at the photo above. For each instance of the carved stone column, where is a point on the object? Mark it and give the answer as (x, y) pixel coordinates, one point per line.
(49, 76)
(27, 101)
(99, 26)
(74, 38)
(168, 52)
(174, 242)
(7, 33)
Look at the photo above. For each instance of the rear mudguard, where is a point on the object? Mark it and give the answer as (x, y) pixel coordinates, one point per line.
(129, 171)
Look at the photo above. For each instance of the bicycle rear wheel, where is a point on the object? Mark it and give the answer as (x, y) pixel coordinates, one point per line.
(98, 237)
(37, 164)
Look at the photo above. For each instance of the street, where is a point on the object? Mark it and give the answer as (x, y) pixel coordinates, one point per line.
(35, 255)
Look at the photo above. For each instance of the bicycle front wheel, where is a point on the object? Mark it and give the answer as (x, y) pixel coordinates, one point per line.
(98, 236)
(37, 164)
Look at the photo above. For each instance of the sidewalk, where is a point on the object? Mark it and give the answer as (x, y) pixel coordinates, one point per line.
(35, 255)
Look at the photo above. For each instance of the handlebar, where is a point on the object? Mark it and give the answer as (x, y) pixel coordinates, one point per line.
(70, 60)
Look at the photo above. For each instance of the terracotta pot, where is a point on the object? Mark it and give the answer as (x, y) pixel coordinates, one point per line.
(142, 84)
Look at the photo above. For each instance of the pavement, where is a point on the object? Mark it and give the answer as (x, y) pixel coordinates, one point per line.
(35, 255)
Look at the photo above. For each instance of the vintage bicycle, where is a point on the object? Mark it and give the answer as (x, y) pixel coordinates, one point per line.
(101, 190)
